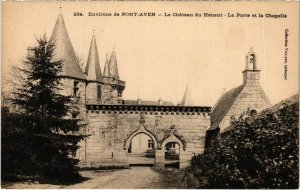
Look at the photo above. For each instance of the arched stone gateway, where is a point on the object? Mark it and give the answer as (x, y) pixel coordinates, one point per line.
(172, 144)
(172, 138)
(140, 146)
(140, 130)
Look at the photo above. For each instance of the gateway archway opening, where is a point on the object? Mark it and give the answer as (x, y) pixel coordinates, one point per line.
(141, 150)
(172, 153)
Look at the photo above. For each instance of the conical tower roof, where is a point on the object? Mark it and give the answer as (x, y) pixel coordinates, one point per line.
(106, 72)
(92, 69)
(113, 65)
(187, 98)
(64, 50)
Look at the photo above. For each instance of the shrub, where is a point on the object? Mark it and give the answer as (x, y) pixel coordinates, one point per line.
(260, 151)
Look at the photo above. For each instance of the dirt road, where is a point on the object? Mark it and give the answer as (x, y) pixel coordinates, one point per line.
(133, 178)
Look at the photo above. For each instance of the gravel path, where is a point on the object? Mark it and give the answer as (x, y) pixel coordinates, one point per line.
(133, 178)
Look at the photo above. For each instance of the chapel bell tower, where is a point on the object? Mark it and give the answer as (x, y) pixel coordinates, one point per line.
(251, 74)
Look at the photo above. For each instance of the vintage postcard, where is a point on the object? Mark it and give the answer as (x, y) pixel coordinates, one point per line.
(152, 94)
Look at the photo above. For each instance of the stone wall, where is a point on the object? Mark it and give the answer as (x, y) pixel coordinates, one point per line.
(107, 95)
(111, 91)
(92, 92)
(109, 129)
(251, 97)
(109, 126)
(68, 87)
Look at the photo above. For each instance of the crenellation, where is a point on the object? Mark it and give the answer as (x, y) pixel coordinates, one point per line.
(113, 128)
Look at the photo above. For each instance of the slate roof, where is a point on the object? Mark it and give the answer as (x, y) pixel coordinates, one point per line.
(187, 98)
(92, 70)
(106, 72)
(113, 65)
(64, 50)
(146, 102)
(223, 106)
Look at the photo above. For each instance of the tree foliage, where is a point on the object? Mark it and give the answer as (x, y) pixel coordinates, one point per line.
(259, 152)
(42, 138)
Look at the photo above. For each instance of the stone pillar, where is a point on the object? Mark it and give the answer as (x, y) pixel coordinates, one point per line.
(124, 157)
(184, 164)
(159, 159)
(184, 159)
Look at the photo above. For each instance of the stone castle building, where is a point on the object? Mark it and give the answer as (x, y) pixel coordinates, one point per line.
(127, 132)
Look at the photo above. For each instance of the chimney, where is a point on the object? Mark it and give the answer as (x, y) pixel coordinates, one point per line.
(139, 101)
(160, 102)
(31, 51)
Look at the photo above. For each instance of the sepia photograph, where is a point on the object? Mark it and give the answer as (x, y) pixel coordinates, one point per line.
(149, 94)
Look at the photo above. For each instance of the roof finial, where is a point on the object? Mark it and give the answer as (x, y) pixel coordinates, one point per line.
(93, 31)
(60, 7)
(251, 51)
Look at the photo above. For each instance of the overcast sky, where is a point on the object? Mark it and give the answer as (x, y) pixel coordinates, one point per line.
(159, 56)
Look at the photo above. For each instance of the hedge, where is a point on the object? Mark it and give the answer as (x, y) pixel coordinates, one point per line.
(260, 151)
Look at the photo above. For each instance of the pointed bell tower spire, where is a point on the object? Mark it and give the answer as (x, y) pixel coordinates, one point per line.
(106, 72)
(113, 65)
(92, 70)
(187, 98)
(64, 50)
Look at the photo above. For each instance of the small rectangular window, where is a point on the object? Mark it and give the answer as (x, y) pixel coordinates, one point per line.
(98, 93)
(75, 88)
(150, 143)
(172, 145)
